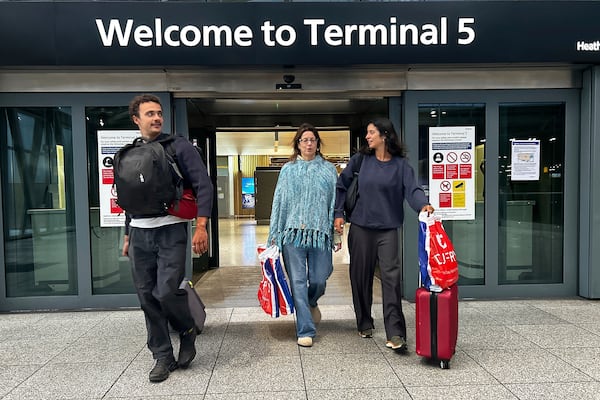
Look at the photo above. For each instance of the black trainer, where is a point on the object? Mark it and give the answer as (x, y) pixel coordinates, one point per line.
(162, 368)
(187, 347)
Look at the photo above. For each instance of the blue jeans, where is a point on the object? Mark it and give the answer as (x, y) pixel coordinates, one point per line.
(308, 270)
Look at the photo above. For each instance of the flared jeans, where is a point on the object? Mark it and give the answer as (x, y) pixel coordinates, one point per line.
(308, 270)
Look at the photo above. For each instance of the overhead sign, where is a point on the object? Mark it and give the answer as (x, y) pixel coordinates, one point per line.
(173, 33)
(452, 174)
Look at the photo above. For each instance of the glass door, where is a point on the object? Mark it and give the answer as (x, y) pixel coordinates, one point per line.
(37, 201)
(531, 193)
(471, 232)
(523, 238)
(53, 254)
(111, 272)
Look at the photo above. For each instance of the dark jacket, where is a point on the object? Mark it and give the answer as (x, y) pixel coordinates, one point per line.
(382, 189)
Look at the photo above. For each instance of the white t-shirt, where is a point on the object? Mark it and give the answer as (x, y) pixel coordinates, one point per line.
(155, 222)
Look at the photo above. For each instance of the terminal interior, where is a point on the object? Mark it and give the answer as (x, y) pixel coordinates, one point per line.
(253, 139)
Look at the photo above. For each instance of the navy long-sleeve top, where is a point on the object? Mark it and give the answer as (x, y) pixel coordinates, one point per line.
(382, 188)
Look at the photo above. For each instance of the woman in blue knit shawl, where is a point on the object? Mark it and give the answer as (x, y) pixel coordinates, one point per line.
(302, 227)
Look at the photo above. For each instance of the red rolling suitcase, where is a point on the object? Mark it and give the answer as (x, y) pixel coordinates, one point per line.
(437, 324)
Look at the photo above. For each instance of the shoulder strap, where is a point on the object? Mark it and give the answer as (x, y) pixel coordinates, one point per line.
(359, 163)
(167, 143)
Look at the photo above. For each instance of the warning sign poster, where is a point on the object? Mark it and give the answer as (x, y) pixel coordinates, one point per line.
(452, 175)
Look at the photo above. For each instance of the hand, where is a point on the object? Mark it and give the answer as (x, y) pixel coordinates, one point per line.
(338, 225)
(337, 247)
(125, 251)
(428, 208)
(200, 240)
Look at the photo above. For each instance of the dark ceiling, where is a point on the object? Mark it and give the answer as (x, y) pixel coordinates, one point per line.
(229, 113)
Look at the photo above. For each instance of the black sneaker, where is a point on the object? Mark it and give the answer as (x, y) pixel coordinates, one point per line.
(187, 347)
(162, 368)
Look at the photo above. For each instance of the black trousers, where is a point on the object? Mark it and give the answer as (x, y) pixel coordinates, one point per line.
(368, 247)
(158, 266)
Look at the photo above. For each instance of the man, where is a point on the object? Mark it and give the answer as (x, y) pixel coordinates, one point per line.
(156, 246)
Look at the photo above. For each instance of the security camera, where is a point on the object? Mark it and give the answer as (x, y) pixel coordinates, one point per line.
(289, 78)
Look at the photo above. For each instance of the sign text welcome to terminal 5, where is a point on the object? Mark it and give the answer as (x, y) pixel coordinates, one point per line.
(121, 33)
(115, 33)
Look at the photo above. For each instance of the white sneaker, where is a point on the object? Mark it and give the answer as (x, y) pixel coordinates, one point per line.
(305, 341)
(315, 314)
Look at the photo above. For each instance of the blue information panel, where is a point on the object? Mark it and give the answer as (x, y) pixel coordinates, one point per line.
(247, 192)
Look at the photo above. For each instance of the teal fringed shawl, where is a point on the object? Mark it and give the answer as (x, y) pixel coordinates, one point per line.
(303, 203)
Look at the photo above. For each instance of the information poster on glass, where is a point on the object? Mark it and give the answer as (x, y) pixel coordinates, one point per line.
(452, 177)
(248, 193)
(109, 142)
(525, 160)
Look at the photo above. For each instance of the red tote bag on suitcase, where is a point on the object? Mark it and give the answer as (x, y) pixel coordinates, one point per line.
(437, 324)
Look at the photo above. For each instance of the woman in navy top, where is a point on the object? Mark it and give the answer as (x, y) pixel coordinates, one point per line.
(385, 180)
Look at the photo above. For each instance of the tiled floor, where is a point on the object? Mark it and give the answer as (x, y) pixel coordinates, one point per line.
(506, 350)
(519, 349)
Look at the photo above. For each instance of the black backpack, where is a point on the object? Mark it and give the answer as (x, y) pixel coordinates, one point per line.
(146, 177)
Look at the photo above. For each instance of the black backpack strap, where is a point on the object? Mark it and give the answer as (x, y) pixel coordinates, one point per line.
(356, 169)
(167, 142)
(169, 148)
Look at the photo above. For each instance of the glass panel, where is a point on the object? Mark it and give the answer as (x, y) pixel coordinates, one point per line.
(531, 211)
(470, 247)
(39, 229)
(111, 273)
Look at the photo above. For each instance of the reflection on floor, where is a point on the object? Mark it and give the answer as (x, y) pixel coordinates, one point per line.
(235, 283)
(238, 239)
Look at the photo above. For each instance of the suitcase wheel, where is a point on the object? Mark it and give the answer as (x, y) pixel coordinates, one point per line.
(444, 364)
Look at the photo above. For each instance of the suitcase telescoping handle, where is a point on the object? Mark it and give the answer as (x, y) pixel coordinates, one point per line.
(433, 322)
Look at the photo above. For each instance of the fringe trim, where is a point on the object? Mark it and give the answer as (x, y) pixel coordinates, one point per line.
(306, 238)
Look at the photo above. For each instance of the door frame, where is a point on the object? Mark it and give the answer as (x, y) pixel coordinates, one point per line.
(492, 100)
(84, 297)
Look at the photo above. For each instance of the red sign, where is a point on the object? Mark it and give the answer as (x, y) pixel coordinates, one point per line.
(466, 171)
(107, 176)
(451, 171)
(437, 171)
(445, 200)
(114, 207)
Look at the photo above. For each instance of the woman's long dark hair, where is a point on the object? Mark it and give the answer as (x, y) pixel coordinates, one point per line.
(295, 144)
(392, 141)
